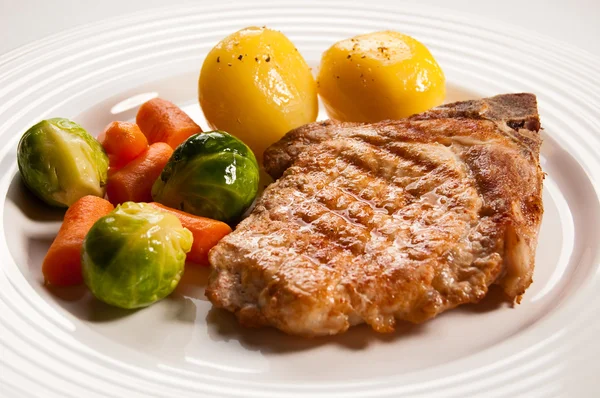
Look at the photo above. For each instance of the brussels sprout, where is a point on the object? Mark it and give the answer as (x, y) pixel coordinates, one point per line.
(135, 255)
(61, 162)
(211, 174)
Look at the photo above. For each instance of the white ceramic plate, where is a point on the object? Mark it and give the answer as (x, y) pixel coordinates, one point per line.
(63, 343)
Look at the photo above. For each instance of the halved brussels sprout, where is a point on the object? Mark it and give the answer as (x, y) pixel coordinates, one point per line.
(61, 162)
(135, 255)
(211, 174)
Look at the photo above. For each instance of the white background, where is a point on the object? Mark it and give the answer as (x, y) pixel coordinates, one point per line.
(576, 22)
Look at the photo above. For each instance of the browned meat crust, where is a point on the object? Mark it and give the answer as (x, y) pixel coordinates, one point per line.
(394, 220)
(515, 110)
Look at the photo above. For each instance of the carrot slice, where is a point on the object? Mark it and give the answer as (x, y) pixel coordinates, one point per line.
(163, 121)
(207, 233)
(122, 142)
(62, 264)
(134, 181)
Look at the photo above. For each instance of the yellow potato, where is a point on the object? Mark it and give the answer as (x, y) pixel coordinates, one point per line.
(255, 85)
(378, 76)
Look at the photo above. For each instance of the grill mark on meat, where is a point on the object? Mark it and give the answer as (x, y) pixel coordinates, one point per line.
(409, 165)
(322, 236)
(357, 191)
(314, 211)
(359, 170)
(329, 206)
(367, 222)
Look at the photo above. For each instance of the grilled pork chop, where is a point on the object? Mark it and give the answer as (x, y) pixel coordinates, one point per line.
(397, 220)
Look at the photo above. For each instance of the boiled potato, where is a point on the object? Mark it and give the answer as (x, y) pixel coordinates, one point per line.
(377, 76)
(255, 85)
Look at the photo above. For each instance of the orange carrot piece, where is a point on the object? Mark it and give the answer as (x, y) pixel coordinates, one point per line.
(62, 264)
(207, 232)
(134, 181)
(163, 121)
(122, 142)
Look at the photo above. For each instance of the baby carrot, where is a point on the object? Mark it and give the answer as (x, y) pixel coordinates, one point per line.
(163, 121)
(206, 232)
(122, 142)
(62, 264)
(134, 181)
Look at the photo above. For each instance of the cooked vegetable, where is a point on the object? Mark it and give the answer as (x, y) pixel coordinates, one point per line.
(377, 76)
(123, 142)
(211, 174)
(135, 255)
(60, 162)
(134, 181)
(207, 233)
(256, 85)
(163, 121)
(62, 264)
